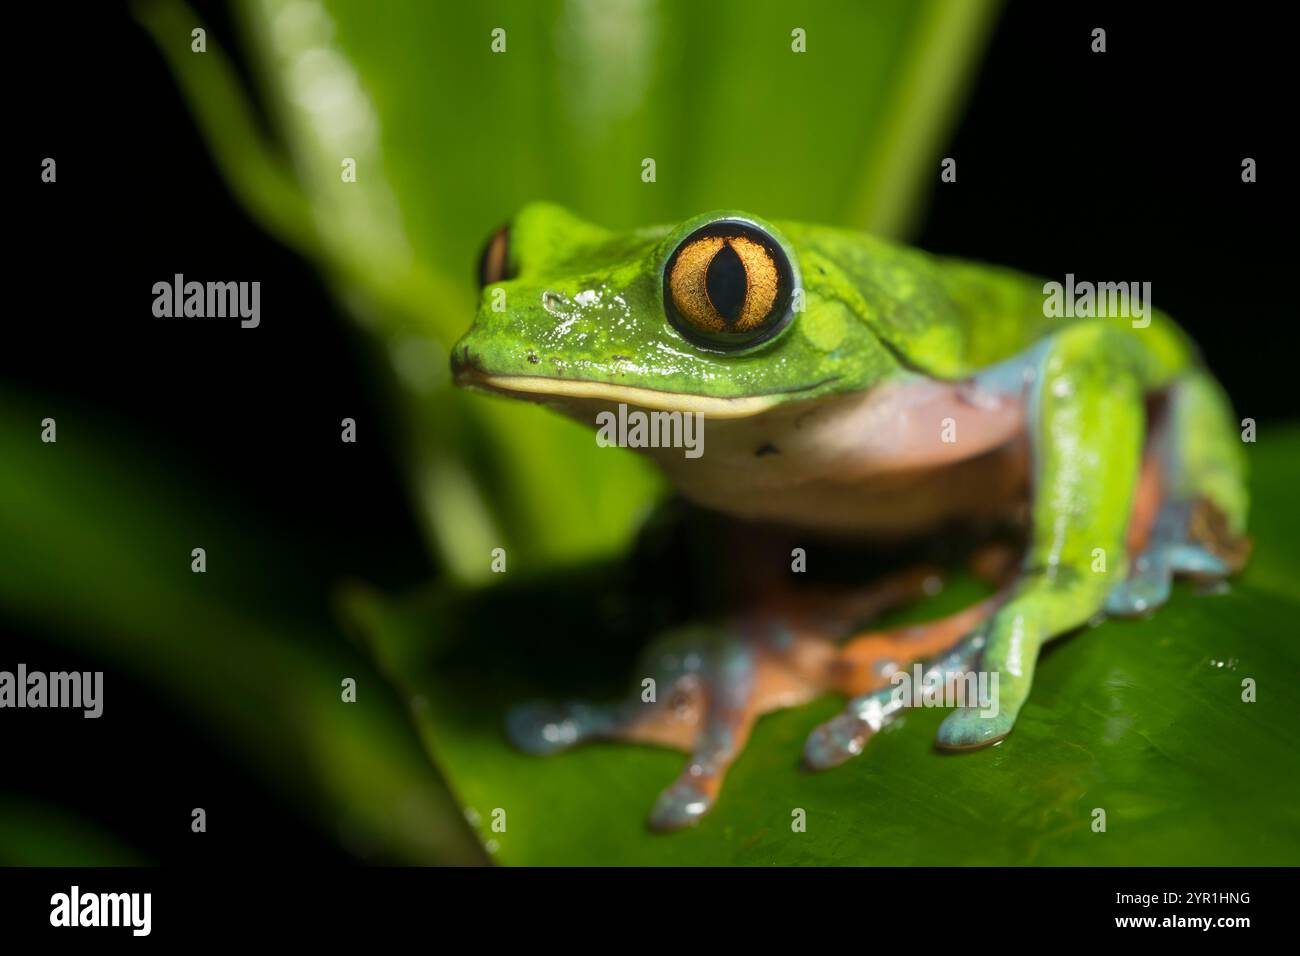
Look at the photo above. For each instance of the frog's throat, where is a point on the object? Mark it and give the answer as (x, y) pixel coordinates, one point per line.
(541, 387)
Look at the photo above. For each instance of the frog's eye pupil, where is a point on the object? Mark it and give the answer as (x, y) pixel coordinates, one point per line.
(494, 261)
(726, 283)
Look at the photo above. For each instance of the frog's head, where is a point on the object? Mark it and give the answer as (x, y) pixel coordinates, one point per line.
(724, 314)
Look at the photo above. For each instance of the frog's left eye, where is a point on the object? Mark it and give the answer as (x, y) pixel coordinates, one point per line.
(728, 285)
(494, 261)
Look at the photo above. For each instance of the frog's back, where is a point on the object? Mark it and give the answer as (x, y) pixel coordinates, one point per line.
(1002, 312)
(952, 318)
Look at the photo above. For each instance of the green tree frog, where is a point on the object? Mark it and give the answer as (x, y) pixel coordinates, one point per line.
(854, 389)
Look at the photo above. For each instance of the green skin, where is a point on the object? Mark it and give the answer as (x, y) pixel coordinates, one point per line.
(877, 314)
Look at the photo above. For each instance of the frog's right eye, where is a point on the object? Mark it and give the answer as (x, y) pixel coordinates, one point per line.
(494, 261)
(728, 286)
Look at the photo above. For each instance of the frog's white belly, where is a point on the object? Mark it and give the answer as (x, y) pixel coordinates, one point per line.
(900, 459)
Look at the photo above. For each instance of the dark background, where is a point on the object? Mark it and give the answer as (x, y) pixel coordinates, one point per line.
(1122, 166)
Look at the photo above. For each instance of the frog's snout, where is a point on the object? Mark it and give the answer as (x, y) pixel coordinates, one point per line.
(470, 367)
(465, 363)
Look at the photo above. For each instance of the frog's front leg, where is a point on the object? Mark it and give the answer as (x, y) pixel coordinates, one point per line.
(1086, 429)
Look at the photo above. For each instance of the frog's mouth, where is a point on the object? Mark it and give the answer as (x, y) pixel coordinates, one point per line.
(580, 392)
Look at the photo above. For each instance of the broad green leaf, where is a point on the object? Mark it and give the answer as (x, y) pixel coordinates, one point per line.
(1143, 719)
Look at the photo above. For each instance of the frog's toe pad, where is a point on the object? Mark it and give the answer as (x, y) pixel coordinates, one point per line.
(681, 805)
(1198, 562)
(1142, 593)
(1149, 585)
(539, 727)
(966, 729)
(836, 741)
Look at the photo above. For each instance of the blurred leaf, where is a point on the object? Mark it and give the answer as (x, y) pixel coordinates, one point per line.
(450, 139)
(40, 835)
(97, 541)
(1141, 718)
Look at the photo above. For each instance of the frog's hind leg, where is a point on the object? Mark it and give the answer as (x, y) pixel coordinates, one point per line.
(773, 661)
(867, 660)
(950, 644)
(1190, 514)
(705, 687)
(667, 711)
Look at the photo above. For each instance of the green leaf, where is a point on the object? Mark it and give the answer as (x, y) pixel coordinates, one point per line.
(1143, 719)
(33, 834)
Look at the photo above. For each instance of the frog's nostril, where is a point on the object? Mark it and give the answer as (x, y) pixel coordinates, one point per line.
(463, 360)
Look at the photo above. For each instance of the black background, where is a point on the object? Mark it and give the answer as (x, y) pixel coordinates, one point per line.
(1125, 165)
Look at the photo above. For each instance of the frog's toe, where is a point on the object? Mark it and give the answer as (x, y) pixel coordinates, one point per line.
(1196, 561)
(1171, 550)
(1150, 583)
(968, 729)
(845, 735)
(681, 805)
(1146, 588)
(541, 727)
(836, 741)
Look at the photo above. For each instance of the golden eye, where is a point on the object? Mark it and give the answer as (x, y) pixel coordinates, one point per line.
(728, 285)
